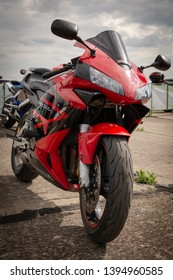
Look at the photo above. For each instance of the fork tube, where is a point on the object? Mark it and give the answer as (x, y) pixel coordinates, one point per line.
(84, 168)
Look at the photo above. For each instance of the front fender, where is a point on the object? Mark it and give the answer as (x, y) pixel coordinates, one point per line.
(87, 141)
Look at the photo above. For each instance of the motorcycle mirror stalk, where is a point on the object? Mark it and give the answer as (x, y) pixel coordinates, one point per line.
(161, 62)
(69, 31)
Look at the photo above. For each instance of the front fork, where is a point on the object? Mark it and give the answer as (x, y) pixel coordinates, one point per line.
(84, 169)
(88, 141)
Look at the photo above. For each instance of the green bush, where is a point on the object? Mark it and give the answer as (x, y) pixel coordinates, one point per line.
(145, 177)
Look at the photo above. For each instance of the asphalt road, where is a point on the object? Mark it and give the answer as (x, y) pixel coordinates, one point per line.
(39, 221)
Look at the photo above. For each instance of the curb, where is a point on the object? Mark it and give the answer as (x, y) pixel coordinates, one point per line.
(166, 187)
(142, 188)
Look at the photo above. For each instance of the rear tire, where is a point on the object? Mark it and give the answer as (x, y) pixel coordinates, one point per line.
(8, 123)
(22, 171)
(105, 204)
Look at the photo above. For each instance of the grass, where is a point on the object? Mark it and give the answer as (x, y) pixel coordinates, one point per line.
(141, 129)
(145, 177)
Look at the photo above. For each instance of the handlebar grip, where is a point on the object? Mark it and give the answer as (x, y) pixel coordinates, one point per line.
(56, 72)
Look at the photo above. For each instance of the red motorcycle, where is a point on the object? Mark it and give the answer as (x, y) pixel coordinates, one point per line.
(77, 136)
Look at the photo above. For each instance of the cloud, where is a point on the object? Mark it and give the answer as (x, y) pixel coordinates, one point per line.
(26, 40)
(31, 41)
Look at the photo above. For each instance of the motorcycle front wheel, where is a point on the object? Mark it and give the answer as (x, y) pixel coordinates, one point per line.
(106, 202)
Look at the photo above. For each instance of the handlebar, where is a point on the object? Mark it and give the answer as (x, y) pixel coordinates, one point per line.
(58, 71)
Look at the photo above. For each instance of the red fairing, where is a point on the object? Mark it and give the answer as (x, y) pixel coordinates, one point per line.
(69, 96)
(64, 88)
(48, 147)
(88, 140)
(130, 79)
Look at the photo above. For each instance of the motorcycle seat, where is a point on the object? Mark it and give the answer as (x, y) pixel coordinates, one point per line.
(40, 71)
(35, 85)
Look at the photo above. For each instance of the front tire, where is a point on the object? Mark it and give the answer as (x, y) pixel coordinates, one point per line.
(105, 203)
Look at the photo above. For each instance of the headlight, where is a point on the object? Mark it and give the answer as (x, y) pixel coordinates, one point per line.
(105, 81)
(143, 93)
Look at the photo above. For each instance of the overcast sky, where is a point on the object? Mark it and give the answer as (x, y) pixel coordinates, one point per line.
(146, 27)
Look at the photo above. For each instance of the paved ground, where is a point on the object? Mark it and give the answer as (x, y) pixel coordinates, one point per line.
(39, 221)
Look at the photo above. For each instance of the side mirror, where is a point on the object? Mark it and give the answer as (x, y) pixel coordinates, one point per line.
(162, 63)
(69, 31)
(0, 77)
(157, 77)
(64, 29)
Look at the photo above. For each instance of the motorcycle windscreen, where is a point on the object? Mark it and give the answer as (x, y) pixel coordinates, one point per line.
(110, 42)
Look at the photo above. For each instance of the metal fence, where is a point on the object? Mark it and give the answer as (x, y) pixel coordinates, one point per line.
(162, 97)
